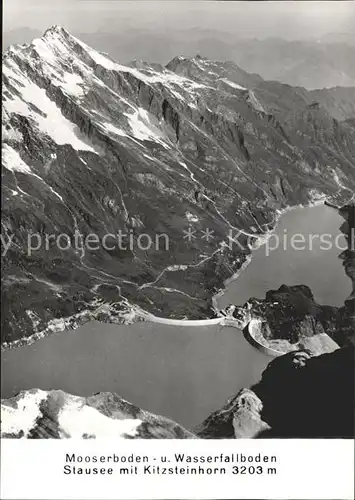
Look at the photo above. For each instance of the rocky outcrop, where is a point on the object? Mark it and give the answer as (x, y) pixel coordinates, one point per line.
(56, 414)
(319, 343)
(289, 318)
(239, 418)
(290, 313)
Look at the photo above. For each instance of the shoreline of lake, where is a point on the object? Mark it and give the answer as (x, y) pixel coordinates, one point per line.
(183, 373)
(256, 286)
(260, 241)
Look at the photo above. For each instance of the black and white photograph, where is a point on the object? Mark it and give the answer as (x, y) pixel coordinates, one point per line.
(178, 218)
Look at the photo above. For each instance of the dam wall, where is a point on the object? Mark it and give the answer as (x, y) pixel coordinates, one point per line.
(184, 322)
(252, 332)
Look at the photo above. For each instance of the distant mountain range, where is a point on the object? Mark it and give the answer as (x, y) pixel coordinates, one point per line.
(313, 64)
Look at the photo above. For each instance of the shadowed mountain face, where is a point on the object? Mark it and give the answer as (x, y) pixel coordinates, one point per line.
(317, 399)
(92, 147)
(297, 397)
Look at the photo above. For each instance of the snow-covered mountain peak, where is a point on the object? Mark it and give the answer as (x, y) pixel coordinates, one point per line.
(54, 41)
(57, 78)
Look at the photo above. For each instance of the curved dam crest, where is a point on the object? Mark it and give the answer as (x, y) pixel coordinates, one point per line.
(184, 322)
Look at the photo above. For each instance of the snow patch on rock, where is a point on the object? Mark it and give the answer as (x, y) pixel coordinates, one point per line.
(254, 102)
(76, 419)
(23, 416)
(143, 129)
(232, 84)
(71, 84)
(13, 161)
(54, 124)
(33, 102)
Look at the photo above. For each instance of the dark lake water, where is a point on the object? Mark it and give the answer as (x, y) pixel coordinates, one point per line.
(181, 372)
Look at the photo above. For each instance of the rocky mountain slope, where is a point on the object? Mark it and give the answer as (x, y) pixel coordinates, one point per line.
(294, 398)
(92, 147)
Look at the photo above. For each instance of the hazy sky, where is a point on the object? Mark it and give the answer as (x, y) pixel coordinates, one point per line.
(292, 20)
